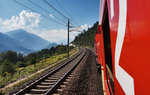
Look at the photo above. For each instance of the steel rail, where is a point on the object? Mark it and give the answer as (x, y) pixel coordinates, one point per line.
(54, 88)
(34, 84)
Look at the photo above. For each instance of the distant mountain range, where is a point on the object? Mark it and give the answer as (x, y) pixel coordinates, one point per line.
(8, 43)
(22, 41)
(50, 45)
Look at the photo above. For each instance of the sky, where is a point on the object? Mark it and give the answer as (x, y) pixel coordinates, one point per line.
(83, 13)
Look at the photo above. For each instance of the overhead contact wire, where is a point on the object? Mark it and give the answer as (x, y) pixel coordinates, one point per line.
(46, 11)
(39, 13)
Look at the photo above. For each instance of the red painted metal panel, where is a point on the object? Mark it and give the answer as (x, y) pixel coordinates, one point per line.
(134, 56)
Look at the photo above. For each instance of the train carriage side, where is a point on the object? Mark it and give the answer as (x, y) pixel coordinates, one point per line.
(124, 30)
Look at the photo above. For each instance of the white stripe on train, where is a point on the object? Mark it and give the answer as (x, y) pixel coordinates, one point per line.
(125, 80)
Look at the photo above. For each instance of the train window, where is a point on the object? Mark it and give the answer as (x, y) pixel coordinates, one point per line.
(107, 43)
(107, 47)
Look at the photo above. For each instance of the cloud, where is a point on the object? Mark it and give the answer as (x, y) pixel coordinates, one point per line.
(51, 15)
(60, 35)
(29, 21)
(84, 27)
(54, 35)
(25, 20)
(80, 28)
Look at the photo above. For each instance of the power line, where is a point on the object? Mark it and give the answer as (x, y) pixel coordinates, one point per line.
(55, 9)
(59, 11)
(63, 9)
(39, 13)
(46, 11)
(67, 13)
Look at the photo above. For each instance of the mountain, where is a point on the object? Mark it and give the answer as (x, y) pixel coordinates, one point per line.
(51, 45)
(28, 40)
(8, 43)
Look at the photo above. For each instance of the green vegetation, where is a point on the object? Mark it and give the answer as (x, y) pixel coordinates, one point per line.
(6, 68)
(86, 38)
(20, 66)
(14, 66)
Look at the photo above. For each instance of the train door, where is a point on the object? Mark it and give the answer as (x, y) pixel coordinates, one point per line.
(107, 52)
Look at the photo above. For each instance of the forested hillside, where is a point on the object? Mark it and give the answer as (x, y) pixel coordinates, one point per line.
(14, 65)
(10, 60)
(86, 38)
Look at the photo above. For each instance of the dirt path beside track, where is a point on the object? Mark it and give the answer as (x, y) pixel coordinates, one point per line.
(87, 80)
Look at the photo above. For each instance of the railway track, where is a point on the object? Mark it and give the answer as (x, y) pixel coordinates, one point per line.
(51, 82)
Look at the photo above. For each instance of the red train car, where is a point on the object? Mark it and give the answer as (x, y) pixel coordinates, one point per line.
(124, 46)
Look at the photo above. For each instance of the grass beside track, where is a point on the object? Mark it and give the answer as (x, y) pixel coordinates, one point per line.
(24, 74)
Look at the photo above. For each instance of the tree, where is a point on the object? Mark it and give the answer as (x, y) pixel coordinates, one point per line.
(21, 64)
(86, 38)
(11, 56)
(30, 56)
(32, 61)
(6, 68)
(20, 57)
(52, 50)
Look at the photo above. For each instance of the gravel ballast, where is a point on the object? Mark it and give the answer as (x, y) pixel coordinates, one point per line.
(87, 80)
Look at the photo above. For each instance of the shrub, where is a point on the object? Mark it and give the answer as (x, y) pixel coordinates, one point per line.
(21, 64)
(6, 68)
(33, 61)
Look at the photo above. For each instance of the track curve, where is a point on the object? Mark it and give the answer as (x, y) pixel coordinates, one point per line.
(49, 84)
